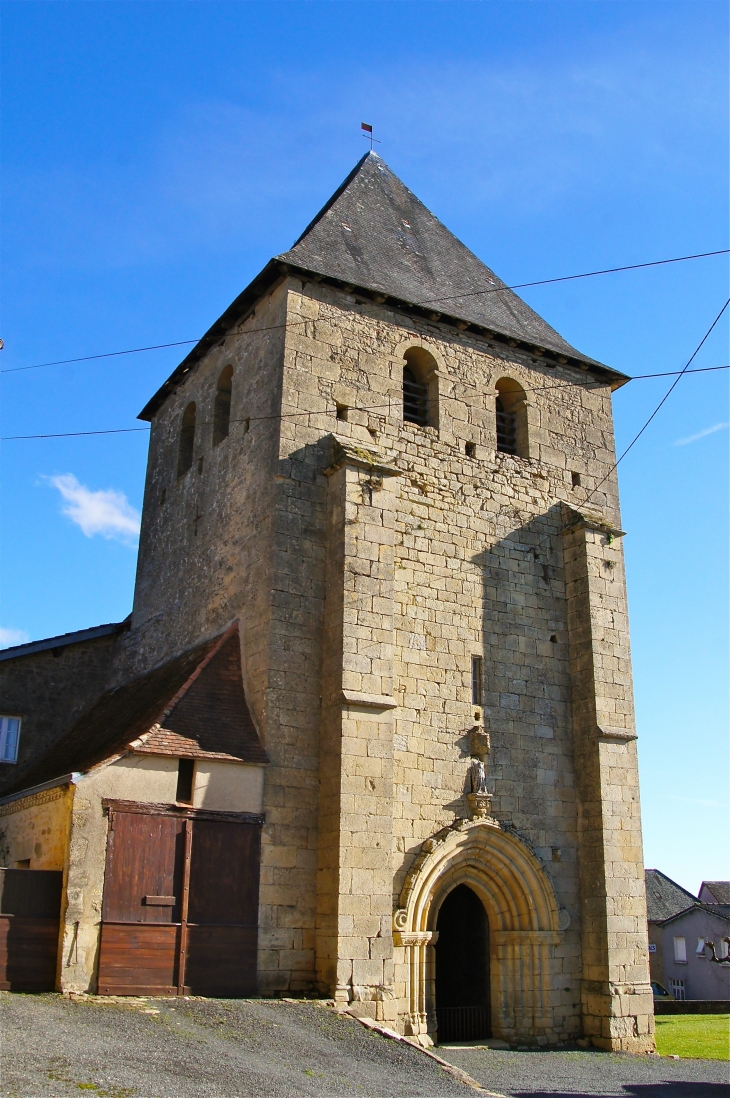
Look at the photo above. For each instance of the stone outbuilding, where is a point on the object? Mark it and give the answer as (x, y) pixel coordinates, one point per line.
(399, 481)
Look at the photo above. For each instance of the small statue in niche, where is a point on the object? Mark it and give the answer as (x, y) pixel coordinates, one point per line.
(477, 776)
(478, 797)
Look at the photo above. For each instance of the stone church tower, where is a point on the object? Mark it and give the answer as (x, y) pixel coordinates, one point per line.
(398, 480)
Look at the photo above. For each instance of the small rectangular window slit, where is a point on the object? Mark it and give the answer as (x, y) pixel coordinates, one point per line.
(185, 775)
(477, 675)
(575, 477)
(342, 411)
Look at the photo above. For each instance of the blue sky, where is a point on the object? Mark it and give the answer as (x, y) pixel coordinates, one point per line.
(157, 154)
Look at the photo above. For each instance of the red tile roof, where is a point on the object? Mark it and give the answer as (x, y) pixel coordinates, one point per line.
(191, 706)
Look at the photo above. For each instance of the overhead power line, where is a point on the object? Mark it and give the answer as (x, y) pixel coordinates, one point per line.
(76, 434)
(425, 301)
(663, 401)
(90, 358)
(569, 278)
(371, 408)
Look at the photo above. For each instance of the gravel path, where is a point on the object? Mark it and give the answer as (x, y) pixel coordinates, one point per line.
(214, 1048)
(561, 1074)
(53, 1048)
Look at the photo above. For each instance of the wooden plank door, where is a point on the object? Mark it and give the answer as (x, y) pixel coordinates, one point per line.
(222, 916)
(30, 911)
(141, 914)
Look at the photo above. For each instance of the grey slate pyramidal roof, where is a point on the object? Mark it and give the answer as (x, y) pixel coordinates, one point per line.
(375, 235)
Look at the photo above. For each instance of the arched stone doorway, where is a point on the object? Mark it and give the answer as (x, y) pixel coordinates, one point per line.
(462, 968)
(522, 913)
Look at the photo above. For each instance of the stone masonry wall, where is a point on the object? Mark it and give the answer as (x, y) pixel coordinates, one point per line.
(48, 690)
(479, 570)
(204, 547)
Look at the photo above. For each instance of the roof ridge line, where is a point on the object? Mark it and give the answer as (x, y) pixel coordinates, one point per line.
(333, 198)
(198, 671)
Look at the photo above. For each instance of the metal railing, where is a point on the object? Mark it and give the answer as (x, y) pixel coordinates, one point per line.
(462, 1023)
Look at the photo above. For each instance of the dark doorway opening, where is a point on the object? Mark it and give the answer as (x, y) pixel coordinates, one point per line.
(462, 968)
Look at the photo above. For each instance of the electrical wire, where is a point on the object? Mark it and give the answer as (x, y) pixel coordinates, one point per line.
(569, 278)
(76, 434)
(380, 407)
(425, 301)
(89, 358)
(663, 401)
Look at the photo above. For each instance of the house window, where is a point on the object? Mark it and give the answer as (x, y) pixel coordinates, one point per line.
(222, 407)
(700, 951)
(185, 780)
(677, 987)
(511, 416)
(477, 679)
(680, 951)
(9, 739)
(187, 440)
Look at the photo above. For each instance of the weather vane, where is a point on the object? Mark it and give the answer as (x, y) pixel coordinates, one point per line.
(368, 132)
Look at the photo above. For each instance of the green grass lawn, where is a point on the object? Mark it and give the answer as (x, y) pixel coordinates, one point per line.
(699, 1036)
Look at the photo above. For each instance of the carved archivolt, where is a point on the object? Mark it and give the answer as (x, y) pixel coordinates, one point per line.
(504, 873)
(524, 923)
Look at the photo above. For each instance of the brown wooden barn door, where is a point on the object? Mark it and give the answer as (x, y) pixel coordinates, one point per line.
(141, 913)
(30, 912)
(181, 895)
(222, 916)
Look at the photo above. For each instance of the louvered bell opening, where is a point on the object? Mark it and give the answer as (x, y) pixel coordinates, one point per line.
(506, 430)
(415, 399)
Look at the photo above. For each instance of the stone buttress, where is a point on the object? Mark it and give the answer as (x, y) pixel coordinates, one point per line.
(354, 893)
(617, 1005)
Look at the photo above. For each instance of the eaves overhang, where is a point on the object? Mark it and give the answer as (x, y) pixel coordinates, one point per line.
(276, 270)
(62, 641)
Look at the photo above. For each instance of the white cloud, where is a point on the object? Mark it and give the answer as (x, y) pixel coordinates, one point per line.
(9, 637)
(700, 434)
(106, 511)
(700, 800)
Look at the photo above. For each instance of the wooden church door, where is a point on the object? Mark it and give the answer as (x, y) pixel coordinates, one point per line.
(180, 909)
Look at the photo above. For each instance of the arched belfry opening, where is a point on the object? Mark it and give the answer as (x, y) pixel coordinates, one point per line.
(511, 416)
(420, 388)
(186, 445)
(462, 968)
(222, 406)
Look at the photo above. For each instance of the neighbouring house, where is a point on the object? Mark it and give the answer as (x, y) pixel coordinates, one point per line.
(715, 892)
(381, 493)
(681, 926)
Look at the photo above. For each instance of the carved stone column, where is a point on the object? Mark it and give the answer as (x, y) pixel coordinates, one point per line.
(421, 963)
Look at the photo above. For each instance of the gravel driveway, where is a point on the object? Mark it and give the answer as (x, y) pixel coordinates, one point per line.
(561, 1074)
(214, 1048)
(202, 1048)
